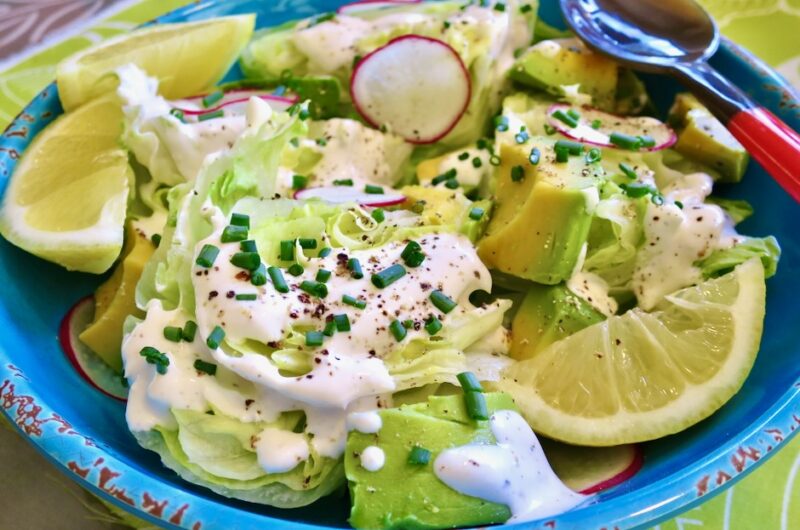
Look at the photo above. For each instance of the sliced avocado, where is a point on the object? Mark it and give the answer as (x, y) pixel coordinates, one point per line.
(684, 102)
(410, 496)
(547, 314)
(706, 140)
(115, 300)
(552, 64)
(541, 220)
(442, 206)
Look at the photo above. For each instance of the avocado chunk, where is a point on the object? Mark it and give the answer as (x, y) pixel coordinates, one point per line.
(542, 213)
(703, 138)
(547, 314)
(442, 206)
(410, 496)
(552, 64)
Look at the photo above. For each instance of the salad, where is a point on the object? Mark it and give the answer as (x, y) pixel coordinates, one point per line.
(438, 254)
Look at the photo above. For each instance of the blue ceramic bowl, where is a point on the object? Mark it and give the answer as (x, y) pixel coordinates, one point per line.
(84, 433)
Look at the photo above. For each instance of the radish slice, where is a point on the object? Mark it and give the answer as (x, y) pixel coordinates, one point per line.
(349, 194)
(591, 470)
(416, 86)
(364, 5)
(233, 102)
(661, 133)
(96, 372)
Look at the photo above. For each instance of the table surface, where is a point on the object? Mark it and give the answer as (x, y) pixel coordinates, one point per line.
(36, 34)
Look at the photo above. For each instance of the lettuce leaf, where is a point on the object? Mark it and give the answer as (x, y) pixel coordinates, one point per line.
(725, 260)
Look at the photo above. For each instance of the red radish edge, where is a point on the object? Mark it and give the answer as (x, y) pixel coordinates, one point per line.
(636, 464)
(388, 199)
(266, 97)
(562, 128)
(342, 10)
(65, 338)
(363, 61)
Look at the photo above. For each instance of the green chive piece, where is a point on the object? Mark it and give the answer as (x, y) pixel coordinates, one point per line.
(451, 184)
(240, 219)
(325, 252)
(499, 7)
(207, 368)
(596, 124)
(295, 142)
(476, 213)
(278, 280)
(207, 256)
(259, 276)
(657, 199)
(247, 297)
(647, 141)
(215, 338)
(323, 275)
(418, 207)
(343, 182)
(248, 246)
(628, 171)
(562, 116)
(354, 266)
(501, 123)
(398, 330)
(299, 182)
(314, 338)
(322, 142)
(562, 155)
(419, 456)
(378, 214)
(521, 137)
(307, 243)
(330, 329)
(594, 155)
(342, 322)
(388, 276)
(535, 156)
(517, 173)
(156, 239)
(212, 98)
(320, 290)
(295, 269)
(444, 177)
(246, 260)
(525, 8)
(625, 141)
(574, 148)
(574, 114)
(411, 248)
(469, 382)
(353, 301)
(189, 331)
(178, 114)
(476, 406)
(287, 250)
(155, 357)
(442, 302)
(549, 130)
(373, 190)
(233, 233)
(636, 191)
(463, 156)
(173, 333)
(408, 324)
(433, 325)
(415, 259)
(477, 162)
(679, 204)
(211, 115)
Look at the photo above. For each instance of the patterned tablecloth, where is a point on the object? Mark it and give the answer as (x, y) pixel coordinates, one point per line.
(49, 30)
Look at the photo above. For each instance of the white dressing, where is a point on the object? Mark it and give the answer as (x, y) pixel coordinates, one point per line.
(279, 450)
(372, 458)
(366, 422)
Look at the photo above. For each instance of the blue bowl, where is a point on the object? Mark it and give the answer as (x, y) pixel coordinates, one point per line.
(85, 435)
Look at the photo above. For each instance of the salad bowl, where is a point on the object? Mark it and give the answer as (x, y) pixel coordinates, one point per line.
(83, 432)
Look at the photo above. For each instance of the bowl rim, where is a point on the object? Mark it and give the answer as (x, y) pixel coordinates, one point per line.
(148, 497)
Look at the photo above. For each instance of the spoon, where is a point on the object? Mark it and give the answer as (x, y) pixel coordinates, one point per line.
(677, 37)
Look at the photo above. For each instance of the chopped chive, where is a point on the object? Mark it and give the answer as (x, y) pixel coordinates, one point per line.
(477, 162)
(295, 142)
(233, 233)
(517, 173)
(322, 142)
(314, 338)
(330, 329)
(443, 303)
(240, 219)
(246, 260)
(299, 182)
(279, 90)
(596, 124)
(535, 156)
(494, 160)
(636, 191)
(679, 204)
(646, 140)
(247, 297)
(373, 190)
(212, 98)
(248, 246)
(562, 154)
(525, 8)
(211, 115)
(398, 330)
(295, 269)
(562, 116)
(475, 403)
(343, 182)
(259, 276)
(307, 243)
(408, 324)
(320, 290)
(625, 141)
(178, 114)
(476, 213)
(574, 148)
(207, 256)
(155, 357)
(189, 331)
(278, 280)
(463, 156)
(353, 301)
(323, 275)
(215, 338)
(628, 171)
(415, 259)
(418, 207)
(521, 137)
(378, 214)
(287, 250)
(156, 239)
(451, 184)
(594, 155)
(324, 252)
(354, 266)
(574, 114)
(433, 325)
(419, 456)
(657, 199)
(444, 177)
(469, 382)
(207, 368)
(499, 7)
(388, 276)
(446, 25)
(501, 123)
(342, 322)
(173, 333)
(411, 248)
(549, 130)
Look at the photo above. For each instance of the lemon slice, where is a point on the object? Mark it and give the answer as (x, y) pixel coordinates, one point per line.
(67, 198)
(641, 376)
(186, 58)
